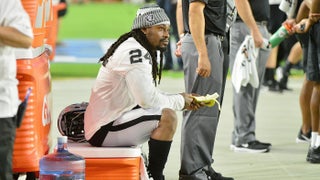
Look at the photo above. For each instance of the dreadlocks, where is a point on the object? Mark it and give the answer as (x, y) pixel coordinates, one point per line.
(141, 38)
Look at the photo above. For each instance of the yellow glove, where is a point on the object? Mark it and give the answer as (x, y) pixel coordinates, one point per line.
(208, 100)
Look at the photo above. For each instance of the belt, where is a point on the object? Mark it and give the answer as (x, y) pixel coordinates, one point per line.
(262, 23)
(219, 37)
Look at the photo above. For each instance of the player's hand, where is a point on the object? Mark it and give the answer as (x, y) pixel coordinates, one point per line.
(190, 103)
(208, 100)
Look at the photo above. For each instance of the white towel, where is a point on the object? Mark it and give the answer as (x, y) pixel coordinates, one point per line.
(244, 68)
(288, 7)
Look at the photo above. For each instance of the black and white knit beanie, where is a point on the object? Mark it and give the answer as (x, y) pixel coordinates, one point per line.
(150, 15)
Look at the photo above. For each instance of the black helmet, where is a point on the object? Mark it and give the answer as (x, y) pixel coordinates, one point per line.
(71, 121)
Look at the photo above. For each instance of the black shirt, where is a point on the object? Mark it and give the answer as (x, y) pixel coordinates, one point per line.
(260, 10)
(214, 14)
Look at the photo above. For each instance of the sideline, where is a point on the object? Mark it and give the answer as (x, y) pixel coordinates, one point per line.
(81, 50)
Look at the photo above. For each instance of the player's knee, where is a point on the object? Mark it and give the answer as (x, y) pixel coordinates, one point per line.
(169, 119)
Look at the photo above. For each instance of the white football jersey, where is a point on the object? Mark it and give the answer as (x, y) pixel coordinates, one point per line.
(125, 82)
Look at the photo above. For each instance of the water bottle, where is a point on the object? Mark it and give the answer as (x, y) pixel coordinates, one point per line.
(61, 164)
(281, 34)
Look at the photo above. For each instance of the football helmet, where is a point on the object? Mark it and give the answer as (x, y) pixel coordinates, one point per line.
(71, 121)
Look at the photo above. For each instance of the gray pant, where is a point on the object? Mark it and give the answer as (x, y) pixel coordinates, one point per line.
(199, 127)
(245, 102)
(8, 133)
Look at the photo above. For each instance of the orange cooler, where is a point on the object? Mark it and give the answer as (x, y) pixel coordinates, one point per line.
(116, 163)
(31, 141)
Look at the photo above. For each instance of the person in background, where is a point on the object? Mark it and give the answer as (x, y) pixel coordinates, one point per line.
(252, 19)
(170, 7)
(295, 54)
(15, 32)
(125, 107)
(304, 133)
(276, 19)
(63, 12)
(275, 77)
(311, 24)
(201, 47)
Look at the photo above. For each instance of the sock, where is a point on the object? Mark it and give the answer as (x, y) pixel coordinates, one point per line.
(318, 141)
(266, 75)
(314, 136)
(158, 155)
(271, 74)
(287, 67)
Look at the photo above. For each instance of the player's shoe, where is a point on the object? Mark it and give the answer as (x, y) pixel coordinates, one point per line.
(252, 147)
(314, 156)
(303, 138)
(213, 175)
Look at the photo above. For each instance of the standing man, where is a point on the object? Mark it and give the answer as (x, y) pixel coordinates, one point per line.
(15, 31)
(252, 19)
(170, 7)
(202, 55)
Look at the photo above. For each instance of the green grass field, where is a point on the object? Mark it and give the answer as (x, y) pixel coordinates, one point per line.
(96, 21)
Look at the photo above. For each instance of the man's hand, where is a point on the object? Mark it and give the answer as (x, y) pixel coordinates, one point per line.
(291, 23)
(257, 38)
(178, 49)
(204, 66)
